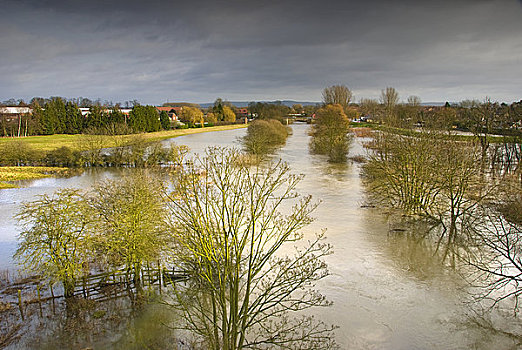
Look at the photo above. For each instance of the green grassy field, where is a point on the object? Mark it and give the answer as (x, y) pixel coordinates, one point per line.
(52, 142)
(13, 173)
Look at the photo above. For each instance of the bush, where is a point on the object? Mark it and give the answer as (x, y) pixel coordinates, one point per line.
(18, 153)
(63, 157)
(156, 155)
(330, 133)
(263, 136)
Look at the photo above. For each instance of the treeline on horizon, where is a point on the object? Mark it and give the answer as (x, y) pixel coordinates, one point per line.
(57, 115)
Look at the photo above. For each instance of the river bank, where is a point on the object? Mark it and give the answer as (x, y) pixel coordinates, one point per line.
(56, 155)
(53, 142)
(10, 174)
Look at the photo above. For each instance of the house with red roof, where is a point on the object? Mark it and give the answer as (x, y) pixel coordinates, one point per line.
(173, 112)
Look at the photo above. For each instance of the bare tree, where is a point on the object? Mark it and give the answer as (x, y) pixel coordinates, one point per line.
(414, 101)
(429, 175)
(131, 216)
(370, 107)
(390, 99)
(229, 230)
(498, 262)
(399, 170)
(480, 118)
(337, 94)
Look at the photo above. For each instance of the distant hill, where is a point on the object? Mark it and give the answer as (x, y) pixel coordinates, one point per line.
(180, 104)
(436, 104)
(288, 103)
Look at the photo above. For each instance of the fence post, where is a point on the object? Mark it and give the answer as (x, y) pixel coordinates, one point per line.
(159, 278)
(20, 305)
(52, 295)
(39, 299)
(84, 291)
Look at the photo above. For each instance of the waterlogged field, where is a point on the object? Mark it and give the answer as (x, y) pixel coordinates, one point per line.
(10, 174)
(52, 142)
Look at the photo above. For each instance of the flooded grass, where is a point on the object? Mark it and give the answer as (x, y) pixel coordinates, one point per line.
(53, 142)
(362, 131)
(9, 174)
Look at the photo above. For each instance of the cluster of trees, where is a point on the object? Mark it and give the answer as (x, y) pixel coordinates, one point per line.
(192, 114)
(277, 110)
(223, 111)
(264, 136)
(58, 116)
(222, 225)
(427, 175)
(119, 225)
(483, 119)
(450, 184)
(265, 110)
(80, 101)
(480, 117)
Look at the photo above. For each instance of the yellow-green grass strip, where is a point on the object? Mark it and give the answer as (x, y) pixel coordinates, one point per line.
(9, 174)
(52, 142)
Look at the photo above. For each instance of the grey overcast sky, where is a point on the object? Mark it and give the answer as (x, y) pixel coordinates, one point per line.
(157, 51)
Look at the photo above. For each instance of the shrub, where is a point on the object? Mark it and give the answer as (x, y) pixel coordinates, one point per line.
(263, 136)
(330, 133)
(63, 157)
(18, 153)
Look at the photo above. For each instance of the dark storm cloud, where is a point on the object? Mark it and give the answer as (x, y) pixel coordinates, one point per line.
(199, 50)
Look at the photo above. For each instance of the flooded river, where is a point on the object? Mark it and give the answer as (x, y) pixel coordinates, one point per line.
(387, 289)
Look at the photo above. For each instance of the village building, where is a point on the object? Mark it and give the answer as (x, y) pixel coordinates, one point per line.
(11, 113)
(173, 112)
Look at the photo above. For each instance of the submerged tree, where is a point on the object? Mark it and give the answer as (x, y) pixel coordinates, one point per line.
(428, 175)
(498, 262)
(264, 135)
(399, 172)
(229, 229)
(55, 237)
(330, 133)
(130, 217)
